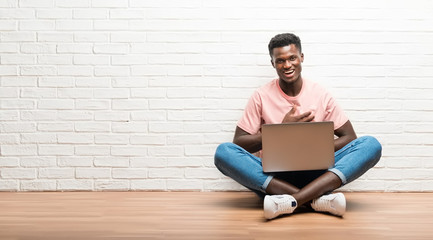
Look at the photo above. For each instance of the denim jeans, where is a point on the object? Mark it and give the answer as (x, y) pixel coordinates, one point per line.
(351, 162)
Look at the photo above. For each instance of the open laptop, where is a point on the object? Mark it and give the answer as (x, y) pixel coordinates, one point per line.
(297, 146)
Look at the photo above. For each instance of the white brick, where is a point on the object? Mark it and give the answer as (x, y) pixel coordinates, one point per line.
(129, 104)
(74, 48)
(56, 82)
(56, 173)
(36, 25)
(38, 115)
(191, 185)
(38, 161)
(92, 150)
(9, 47)
(128, 37)
(112, 71)
(111, 185)
(92, 104)
(128, 151)
(74, 93)
(91, 37)
(203, 173)
(8, 185)
(129, 173)
(111, 93)
(112, 116)
(166, 173)
(110, 3)
(10, 139)
(38, 138)
(149, 184)
(129, 60)
(91, 60)
(166, 151)
(38, 93)
(38, 4)
(8, 115)
(56, 150)
(56, 104)
(9, 162)
(38, 48)
(181, 139)
(18, 150)
(97, 173)
(185, 162)
(148, 162)
(73, 25)
(17, 127)
(148, 93)
(130, 82)
(73, 4)
(7, 25)
(114, 48)
(75, 71)
(38, 185)
(187, 115)
(112, 139)
(129, 127)
(80, 161)
(8, 70)
(111, 161)
(165, 127)
(75, 115)
(127, 13)
(92, 82)
(18, 173)
(18, 59)
(148, 139)
(111, 25)
(20, 36)
(153, 115)
(90, 13)
(55, 37)
(75, 185)
(73, 138)
(92, 127)
(50, 14)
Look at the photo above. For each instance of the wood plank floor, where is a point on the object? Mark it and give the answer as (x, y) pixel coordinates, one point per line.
(206, 215)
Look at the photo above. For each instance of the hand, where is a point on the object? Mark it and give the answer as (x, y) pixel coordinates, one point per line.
(291, 117)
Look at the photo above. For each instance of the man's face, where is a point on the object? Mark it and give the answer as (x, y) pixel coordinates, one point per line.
(287, 61)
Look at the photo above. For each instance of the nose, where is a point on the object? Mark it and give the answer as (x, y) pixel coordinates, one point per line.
(287, 64)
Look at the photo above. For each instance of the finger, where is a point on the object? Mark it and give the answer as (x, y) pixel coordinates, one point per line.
(303, 115)
(293, 110)
(308, 118)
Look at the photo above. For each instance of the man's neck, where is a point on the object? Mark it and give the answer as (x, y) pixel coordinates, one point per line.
(291, 89)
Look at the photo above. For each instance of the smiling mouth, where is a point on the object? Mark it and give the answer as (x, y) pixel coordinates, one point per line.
(289, 72)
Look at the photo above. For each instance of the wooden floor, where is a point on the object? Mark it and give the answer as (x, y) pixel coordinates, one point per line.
(206, 215)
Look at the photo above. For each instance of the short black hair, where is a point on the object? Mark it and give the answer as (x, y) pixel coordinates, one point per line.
(282, 40)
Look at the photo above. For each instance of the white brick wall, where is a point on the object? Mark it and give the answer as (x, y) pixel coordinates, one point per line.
(135, 95)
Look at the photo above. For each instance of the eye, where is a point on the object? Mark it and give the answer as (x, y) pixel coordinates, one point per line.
(292, 58)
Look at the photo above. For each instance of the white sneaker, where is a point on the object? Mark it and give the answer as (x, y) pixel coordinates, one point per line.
(333, 203)
(275, 205)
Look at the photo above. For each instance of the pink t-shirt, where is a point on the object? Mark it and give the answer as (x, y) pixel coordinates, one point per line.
(269, 104)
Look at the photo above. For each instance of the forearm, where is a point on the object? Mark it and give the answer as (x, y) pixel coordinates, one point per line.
(251, 143)
(343, 141)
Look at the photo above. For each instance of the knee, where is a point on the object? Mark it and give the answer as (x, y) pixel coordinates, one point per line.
(222, 153)
(374, 147)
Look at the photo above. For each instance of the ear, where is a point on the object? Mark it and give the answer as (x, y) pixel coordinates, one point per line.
(272, 62)
(302, 57)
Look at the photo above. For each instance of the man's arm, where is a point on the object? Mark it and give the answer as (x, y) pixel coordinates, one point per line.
(249, 142)
(345, 135)
(253, 142)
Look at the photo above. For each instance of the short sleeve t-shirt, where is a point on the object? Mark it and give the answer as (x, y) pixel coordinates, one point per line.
(269, 104)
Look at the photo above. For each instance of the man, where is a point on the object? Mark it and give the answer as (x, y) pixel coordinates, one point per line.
(292, 98)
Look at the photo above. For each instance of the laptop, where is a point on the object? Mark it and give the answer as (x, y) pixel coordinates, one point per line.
(297, 146)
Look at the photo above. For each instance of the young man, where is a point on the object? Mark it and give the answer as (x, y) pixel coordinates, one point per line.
(292, 98)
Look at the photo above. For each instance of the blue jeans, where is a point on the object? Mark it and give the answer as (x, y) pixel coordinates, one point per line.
(351, 162)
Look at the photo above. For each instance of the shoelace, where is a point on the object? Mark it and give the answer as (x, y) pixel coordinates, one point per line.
(323, 204)
(283, 204)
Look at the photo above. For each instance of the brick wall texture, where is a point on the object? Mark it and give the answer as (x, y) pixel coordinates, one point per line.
(119, 95)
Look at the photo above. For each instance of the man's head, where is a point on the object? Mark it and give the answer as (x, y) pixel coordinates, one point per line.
(286, 58)
(282, 40)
